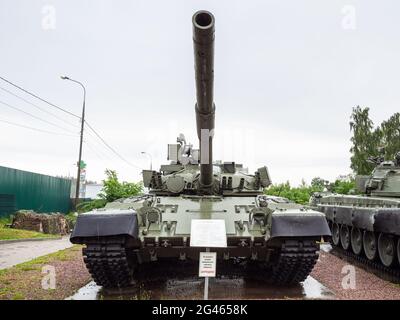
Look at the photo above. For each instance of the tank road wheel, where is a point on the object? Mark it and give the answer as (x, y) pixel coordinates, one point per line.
(370, 245)
(386, 249)
(356, 240)
(345, 237)
(335, 234)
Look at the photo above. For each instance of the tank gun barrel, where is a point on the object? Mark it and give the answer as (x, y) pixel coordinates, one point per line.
(203, 43)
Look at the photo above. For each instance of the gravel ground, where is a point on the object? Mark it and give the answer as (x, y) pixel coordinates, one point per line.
(368, 286)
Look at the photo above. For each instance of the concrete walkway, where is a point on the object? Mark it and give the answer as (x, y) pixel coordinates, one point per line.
(18, 252)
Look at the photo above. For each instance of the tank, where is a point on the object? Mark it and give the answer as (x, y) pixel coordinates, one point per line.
(271, 237)
(368, 224)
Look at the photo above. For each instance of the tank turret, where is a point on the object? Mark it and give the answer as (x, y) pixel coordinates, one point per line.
(384, 180)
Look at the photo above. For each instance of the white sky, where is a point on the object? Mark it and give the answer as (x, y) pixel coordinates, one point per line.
(287, 74)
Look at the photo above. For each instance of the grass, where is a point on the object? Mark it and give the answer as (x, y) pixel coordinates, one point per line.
(4, 221)
(7, 233)
(16, 234)
(23, 281)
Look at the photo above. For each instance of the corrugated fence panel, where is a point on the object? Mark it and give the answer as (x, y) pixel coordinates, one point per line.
(33, 191)
(7, 203)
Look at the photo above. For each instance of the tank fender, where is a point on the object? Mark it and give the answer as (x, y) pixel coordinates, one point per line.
(106, 223)
(300, 225)
(388, 220)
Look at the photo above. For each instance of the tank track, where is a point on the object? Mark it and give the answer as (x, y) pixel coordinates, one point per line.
(295, 262)
(292, 265)
(386, 273)
(108, 263)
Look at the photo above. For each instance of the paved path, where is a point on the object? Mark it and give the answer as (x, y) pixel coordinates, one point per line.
(18, 252)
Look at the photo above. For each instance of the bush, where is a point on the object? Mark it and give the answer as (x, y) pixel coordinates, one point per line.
(302, 193)
(113, 189)
(299, 195)
(71, 219)
(91, 205)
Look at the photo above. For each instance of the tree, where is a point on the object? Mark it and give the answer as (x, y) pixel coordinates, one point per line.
(390, 131)
(113, 189)
(318, 183)
(343, 184)
(365, 140)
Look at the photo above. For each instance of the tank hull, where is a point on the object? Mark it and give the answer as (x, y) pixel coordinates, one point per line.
(291, 229)
(365, 226)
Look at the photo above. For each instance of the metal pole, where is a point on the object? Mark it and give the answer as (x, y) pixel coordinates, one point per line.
(206, 279)
(78, 177)
(206, 288)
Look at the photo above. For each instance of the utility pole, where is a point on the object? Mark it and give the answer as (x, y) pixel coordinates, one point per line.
(78, 177)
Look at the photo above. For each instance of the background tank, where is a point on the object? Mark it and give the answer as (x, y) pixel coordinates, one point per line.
(273, 238)
(368, 224)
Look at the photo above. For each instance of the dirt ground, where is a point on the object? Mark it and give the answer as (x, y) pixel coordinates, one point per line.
(24, 281)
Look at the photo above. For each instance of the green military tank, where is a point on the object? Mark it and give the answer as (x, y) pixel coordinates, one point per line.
(368, 225)
(279, 239)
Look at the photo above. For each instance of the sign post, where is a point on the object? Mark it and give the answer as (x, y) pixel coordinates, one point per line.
(208, 234)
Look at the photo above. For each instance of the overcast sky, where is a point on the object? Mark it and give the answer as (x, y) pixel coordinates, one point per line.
(287, 74)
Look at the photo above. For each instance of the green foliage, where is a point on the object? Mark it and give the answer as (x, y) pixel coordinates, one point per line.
(343, 186)
(5, 220)
(302, 193)
(91, 205)
(113, 189)
(71, 219)
(367, 140)
(299, 194)
(390, 131)
(319, 183)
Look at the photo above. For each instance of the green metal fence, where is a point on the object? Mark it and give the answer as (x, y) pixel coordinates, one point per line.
(28, 190)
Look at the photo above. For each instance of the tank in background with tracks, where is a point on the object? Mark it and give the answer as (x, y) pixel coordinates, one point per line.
(368, 225)
(274, 239)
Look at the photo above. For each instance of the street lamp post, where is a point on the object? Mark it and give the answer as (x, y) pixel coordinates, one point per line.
(151, 159)
(78, 177)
